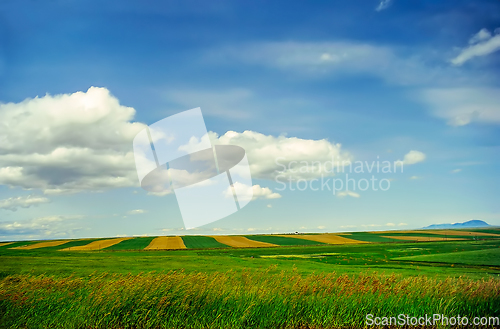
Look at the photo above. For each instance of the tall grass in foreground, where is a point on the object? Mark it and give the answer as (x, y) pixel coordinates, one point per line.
(246, 299)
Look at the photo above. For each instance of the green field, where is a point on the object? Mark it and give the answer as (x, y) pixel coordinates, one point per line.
(132, 244)
(367, 237)
(491, 230)
(210, 285)
(430, 235)
(282, 241)
(488, 257)
(71, 244)
(201, 242)
(17, 244)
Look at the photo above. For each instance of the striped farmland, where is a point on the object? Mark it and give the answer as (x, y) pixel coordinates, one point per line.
(241, 242)
(97, 245)
(165, 243)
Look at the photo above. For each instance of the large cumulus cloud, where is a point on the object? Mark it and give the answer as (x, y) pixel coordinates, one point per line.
(68, 143)
(83, 142)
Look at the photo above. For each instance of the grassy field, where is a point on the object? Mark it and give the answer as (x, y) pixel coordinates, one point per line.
(71, 244)
(96, 245)
(282, 241)
(132, 244)
(210, 285)
(236, 241)
(241, 299)
(488, 257)
(201, 242)
(17, 244)
(367, 237)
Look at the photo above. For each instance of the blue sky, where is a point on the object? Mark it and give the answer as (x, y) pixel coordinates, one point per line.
(416, 81)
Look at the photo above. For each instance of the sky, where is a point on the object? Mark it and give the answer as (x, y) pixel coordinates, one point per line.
(414, 84)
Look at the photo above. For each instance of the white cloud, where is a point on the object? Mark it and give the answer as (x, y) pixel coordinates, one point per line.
(320, 55)
(415, 177)
(264, 193)
(348, 226)
(136, 212)
(84, 143)
(42, 227)
(162, 193)
(456, 171)
(254, 192)
(481, 44)
(321, 227)
(269, 206)
(373, 225)
(384, 4)
(482, 35)
(68, 143)
(461, 106)
(337, 59)
(413, 157)
(293, 157)
(347, 193)
(22, 202)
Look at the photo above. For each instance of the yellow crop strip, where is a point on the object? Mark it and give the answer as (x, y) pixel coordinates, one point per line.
(97, 245)
(441, 232)
(420, 238)
(42, 245)
(326, 238)
(458, 232)
(240, 242)
(166, 242)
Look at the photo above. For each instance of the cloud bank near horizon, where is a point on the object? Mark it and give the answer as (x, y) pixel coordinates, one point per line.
(82, 142)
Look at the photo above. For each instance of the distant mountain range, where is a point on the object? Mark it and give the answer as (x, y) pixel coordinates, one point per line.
(468, 224)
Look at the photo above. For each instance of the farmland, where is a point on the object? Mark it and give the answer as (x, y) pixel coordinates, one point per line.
(273, 281)
(166, 242)
(95, 245)
(202, 242)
